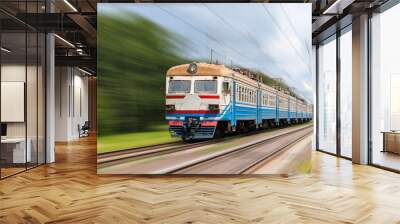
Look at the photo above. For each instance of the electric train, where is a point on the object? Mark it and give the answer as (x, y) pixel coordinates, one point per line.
(205, 101)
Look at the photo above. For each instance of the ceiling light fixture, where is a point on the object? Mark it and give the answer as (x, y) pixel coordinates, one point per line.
(70, 5)
(337, 7)
(5, 50)
(65, 41)
(84, 71)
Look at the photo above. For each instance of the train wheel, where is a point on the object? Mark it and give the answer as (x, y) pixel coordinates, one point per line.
(219, 133)
(185, 139)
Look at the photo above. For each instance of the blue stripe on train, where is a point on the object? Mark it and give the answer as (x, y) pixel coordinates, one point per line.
(250, 113)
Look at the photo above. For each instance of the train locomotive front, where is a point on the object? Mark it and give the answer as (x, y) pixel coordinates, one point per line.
(197, 96)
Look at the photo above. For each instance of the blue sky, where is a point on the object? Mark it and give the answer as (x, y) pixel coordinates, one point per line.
(274, 38)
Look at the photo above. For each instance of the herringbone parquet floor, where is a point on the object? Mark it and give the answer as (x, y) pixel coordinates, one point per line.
(69, 191)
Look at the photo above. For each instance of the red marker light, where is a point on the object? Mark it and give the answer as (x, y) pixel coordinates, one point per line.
(208, 97)
(175, 96)
(209, 123)
(175, 123)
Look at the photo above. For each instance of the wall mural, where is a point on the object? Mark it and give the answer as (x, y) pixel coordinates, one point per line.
(191, 88)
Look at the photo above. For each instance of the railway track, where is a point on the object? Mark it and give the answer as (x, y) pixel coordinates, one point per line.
(150, 151)
(176, 157)
(158, 149)
(242, 159)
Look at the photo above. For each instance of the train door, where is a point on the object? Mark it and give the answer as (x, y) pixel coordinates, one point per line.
(226, 93)
(258, 103)
(277, 109)
(226, 97)
(296, 109)
(289, 109)
(233, 103)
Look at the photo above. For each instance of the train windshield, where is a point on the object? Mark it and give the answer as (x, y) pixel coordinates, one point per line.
(205, 86)
(179, 86)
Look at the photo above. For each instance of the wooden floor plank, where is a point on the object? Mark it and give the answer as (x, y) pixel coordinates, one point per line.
(70, 191)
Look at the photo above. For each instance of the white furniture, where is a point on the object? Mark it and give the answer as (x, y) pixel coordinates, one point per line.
(18, 149)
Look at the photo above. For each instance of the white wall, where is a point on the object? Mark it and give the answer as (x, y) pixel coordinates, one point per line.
(17, 73)
(71, 102)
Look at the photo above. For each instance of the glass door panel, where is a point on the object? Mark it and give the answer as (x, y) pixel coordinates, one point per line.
(41, 99)
(385, 89)
(31, 98)
(14, 153)
(346, 93)
(327, 96)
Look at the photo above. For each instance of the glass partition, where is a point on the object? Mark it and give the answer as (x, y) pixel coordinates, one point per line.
(22, 107)
(41, 91)
(327, 96)
(385, 89)
(346, 93)
(14, 145)
(31, 99)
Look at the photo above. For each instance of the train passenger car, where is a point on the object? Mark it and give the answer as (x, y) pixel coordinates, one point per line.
(310, 110)
(283, 107)
(207, 100)
(268, 109)
(292, 109)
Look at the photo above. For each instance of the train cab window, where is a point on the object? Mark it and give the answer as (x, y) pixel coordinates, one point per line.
(205, 86)
(179, 86)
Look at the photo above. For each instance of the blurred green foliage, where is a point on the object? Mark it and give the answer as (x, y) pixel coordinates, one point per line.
(134, 55)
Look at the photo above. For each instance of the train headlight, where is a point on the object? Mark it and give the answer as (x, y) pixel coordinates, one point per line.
(192, 68)
(169, 107)
(213, 107)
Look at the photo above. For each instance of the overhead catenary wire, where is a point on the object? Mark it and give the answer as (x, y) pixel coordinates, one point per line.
(247, 36)
(294, 29)
(288, 39)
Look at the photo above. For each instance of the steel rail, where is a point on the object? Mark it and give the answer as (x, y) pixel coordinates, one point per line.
(155, 150)
(247, 148)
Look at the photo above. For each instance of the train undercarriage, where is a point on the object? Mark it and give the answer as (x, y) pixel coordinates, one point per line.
(196, 130)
